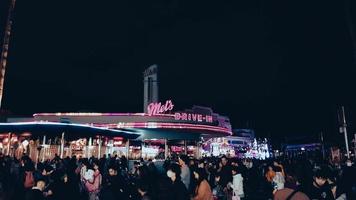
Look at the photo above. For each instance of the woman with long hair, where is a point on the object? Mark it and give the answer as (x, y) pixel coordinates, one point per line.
(93, 182)
(202, 190)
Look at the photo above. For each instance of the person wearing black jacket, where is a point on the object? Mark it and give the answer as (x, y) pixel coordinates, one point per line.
(177, 191)
(66, 189)
(320, 188)
(36, 193)
(224, 174)
(114, 186)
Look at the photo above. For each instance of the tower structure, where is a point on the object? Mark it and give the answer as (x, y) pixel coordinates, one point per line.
(150, 82)
(5, 47)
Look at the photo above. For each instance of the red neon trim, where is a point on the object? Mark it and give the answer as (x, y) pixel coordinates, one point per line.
(101, 114)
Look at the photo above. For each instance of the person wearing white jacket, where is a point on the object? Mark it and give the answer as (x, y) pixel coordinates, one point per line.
(237, 184)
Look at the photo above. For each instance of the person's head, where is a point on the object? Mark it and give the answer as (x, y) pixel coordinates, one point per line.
(199, 175)
(95, 165)
(112, 170)
(320, 177)
(29, 166)
(85, 162)
(64, 178)
(201, 164)
(41, 184)
(224, 160)
(183, 160)
(234, 170)
(143, 171)
(191, 162)
(174, 172)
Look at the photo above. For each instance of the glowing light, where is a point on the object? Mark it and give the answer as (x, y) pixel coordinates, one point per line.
(193, 117)
(64, 124)
(158, 108)
(99, 114)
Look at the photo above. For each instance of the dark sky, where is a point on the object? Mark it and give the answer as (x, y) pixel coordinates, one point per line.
(281, 67)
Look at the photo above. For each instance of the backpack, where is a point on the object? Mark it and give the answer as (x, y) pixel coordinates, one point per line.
(29, 180)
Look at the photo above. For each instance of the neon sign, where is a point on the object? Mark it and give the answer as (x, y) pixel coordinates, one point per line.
(158, 108)
(193, 117)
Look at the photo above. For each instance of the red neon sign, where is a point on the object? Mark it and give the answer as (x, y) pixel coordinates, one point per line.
(158, 108)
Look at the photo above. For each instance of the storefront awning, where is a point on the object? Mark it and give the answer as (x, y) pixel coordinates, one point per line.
(71, 130)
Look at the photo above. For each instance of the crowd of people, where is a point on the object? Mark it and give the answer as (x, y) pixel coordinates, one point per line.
(178, 178)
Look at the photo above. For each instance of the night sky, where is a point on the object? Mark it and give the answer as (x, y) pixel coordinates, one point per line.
(279, 67)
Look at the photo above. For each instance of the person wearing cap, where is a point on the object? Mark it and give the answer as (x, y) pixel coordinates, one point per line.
(177, 191)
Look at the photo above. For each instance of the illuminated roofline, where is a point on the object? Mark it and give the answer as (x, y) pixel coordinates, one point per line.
(112, 127)
(100, 114)
(166, 126)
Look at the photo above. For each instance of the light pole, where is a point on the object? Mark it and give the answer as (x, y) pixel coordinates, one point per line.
(344, 130)
(5, 47)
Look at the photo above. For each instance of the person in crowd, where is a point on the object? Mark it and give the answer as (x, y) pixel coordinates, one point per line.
(252, 178)
(103, 165)
(142, 189)
(36, 193)
(146, 177)
(67, 188)
(185, 175)
(237, 184)
(348, 178)
(114, 186)
(202, 190)
(225, 172)
(201, 164)
(278, 164)
(124, 163)
(192, 163)
(178, 190)
(270, 174)
(48, 176)
(93, 183)
(29, 180)
(152, 167)
(278, 179)
(320, 188)
(224, 176)
(134, 170)
(291, 190)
